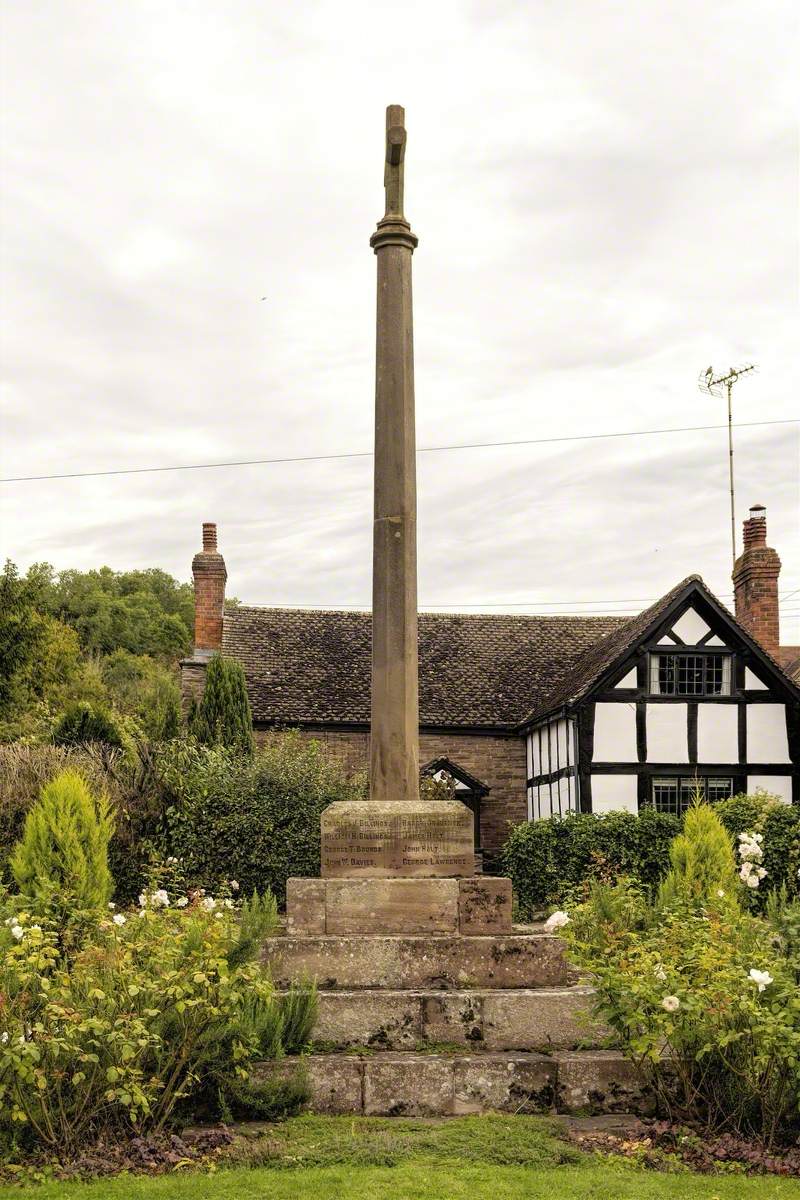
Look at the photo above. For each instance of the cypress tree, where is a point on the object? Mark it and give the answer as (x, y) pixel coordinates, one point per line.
(223, 716)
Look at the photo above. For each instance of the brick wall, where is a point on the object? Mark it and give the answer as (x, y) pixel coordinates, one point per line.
(497, 761)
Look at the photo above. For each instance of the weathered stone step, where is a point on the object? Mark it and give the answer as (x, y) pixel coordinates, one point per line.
(515, 960)
(509, 1019)
(428, 1085)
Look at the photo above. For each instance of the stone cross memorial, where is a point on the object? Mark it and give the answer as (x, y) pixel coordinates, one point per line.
(394, 838)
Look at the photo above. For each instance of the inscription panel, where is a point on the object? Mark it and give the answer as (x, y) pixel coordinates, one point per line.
(369, 839)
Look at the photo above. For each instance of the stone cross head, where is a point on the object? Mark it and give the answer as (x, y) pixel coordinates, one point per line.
(395, 153)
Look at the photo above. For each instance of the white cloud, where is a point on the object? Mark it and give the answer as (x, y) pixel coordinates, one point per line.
(605, 195)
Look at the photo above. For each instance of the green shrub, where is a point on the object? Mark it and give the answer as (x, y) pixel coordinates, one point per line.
(61, 863)
(154, 1013)
(701, 859)
(83, 722)
(254, 818)
(552, 860)
(223, 716)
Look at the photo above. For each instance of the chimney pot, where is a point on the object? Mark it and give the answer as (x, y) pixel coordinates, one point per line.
(209, 537)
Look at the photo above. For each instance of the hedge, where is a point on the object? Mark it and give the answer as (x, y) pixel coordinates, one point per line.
(550, 862)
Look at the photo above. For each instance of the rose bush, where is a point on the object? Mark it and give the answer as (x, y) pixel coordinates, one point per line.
(701, 994)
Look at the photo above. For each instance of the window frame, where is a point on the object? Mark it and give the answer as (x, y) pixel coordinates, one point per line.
(717, 657)
(686, 783)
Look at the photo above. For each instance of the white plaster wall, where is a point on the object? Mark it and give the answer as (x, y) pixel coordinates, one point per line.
(715, 641)
(629, 680)
(767, 741)
(614, 732)
(533, 753)
(667, 733)
(612, 793)
(562, 733)
(691, 627)
(776, 785)
(752, 682)
(718, 733)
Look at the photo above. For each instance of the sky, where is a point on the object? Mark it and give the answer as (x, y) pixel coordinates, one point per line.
(606, 200)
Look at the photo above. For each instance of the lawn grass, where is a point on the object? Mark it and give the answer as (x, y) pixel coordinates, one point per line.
(470, 1158)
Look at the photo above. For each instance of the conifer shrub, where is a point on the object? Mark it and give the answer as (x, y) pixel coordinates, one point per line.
(702, 865)
(61, 862)
(223, 716)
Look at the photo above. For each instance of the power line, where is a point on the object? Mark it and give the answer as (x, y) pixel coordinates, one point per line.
(302, 458)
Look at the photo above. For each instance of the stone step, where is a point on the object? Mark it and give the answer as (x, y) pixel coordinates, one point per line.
(508, 1019)
(431, 1085)
(516, 960)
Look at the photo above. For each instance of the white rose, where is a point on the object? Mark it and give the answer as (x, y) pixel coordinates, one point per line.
(17, 931)
(671, 1003)
(184, 900)
(119, 919)
(3, 1038)
(762, 978)
(660, 973)
(112, 905)
(161, 898)
(219, 915)
(209, 903)
(234, 885)
(557, 920)
(752, 881)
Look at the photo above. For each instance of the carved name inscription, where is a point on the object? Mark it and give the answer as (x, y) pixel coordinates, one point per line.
(364, 839)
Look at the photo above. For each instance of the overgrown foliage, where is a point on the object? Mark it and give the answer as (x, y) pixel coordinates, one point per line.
(223, 716)
(701, 994)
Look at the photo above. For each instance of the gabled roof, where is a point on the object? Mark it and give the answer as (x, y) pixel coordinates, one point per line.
(605, 655)
(790, 661)
(475, 671)
(443, 763)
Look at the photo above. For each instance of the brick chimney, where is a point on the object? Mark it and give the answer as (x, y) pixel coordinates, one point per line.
(208, 569)
(755, 582)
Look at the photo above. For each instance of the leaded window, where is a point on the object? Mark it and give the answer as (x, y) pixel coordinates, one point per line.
(674, 794)
(690, 675)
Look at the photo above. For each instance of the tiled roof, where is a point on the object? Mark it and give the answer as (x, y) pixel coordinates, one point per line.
(789, 658)
(588, 669)
(475, 671)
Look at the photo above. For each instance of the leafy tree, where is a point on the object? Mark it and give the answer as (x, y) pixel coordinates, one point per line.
(223, 716)
(143, 688)
(20, 633)
(61, 862)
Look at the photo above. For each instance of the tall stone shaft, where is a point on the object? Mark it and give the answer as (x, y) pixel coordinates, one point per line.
(394, 740)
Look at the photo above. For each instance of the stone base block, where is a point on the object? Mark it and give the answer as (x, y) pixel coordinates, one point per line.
(493, 1020)
(480, 905)
(431, 1085)
(516, 960)
(600, 1081)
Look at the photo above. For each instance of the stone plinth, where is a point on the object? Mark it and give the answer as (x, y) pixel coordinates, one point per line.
(340, 907)
(366, 839)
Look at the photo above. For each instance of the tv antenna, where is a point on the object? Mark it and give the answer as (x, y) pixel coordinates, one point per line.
(718, 385)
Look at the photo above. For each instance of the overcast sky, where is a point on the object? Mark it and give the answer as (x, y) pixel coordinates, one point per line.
(606, 200)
